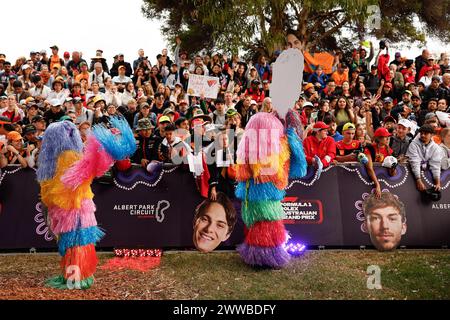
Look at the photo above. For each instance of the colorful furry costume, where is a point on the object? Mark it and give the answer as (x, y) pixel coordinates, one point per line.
(65, 174)
(268, 156)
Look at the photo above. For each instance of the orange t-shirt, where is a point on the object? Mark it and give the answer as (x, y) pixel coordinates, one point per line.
(339, 78)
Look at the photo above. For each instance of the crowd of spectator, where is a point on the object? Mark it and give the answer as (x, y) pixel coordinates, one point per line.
(369, 108)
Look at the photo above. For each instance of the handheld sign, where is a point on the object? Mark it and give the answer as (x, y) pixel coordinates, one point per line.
(287, 78)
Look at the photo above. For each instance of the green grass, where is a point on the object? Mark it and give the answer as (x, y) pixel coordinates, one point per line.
(316, 275)
(222, 275)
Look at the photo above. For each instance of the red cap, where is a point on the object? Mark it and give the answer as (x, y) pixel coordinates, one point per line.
(388, 84)
(382, 132)
(320, 125)
(66, 54)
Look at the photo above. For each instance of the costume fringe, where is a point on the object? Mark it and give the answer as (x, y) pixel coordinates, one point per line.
(78, 238)
(266, 234)
(262, 211)
(275, 257)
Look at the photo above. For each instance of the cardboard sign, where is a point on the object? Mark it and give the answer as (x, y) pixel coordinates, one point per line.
(208, 86)
(286, 80)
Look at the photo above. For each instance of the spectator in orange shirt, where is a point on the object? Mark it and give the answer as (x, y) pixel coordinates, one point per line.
(341, 75)
(84, 74)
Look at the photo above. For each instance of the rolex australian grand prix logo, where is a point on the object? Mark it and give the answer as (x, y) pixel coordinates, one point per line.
(302, 211)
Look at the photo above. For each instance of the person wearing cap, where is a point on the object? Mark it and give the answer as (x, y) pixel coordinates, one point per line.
(427, 74)
(15, 150)
(379, 150)
(404, 107)
(82, 114)
(351, 150)
(144, 112)
(121, 62)
(121, 79)
(147, 143)
(99, 59)
(255, 92)
(397, 59)
(401, 140)
(163, 122)
(54, 58)
(39, 122)
(55, 113)
(183, 108)
(423, 154)
(319, 147)
(66, 58)
(420, 62)
(32, 110)
(388, 104)
(29, 134)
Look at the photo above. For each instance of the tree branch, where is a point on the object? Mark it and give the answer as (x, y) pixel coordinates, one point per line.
(327, 33)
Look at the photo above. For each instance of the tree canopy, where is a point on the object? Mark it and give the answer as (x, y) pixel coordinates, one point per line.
(261, 25)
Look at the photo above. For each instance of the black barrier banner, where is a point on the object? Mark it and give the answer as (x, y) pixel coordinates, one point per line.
(156, 210)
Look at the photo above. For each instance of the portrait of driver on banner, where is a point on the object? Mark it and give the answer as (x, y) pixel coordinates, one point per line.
(385, 220)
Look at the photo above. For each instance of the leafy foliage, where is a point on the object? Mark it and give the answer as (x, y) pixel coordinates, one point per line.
(260, 26)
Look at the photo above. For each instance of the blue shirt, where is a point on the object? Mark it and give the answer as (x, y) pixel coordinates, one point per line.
(337, 137)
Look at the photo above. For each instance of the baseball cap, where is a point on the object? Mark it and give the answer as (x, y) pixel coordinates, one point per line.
(408, 92)
(253, 102)
(55, 102)
(37, 118)
(77, 100)
(387, 100)
(13, 136)
(382, 132)
(29, 129)
(389, 119)
(388, 84)
(308, 86)
(164, 119)
(320, 125)
(231, 112)
(405, 122)
(390, 162)
(256, 81)
(54, 47)
(308, 104)
(348, 126)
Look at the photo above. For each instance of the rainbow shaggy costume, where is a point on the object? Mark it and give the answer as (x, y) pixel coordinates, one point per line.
(267, 156)
(65, 172)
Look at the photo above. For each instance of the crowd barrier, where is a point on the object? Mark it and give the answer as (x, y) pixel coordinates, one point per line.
(139, 209)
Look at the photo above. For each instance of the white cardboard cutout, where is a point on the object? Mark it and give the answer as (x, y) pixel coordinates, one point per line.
(287, 75)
